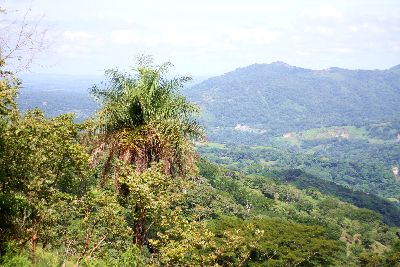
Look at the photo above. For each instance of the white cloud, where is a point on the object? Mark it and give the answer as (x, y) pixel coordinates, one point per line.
(216, 39)
(343, 50)
(73, 50)
(325, 30)
(354, 28)
(255, 35)
(203, 37)
(325, 12)
(185, 39)
(78, 44)
(373, 28)
(126, 37)
(74, 36)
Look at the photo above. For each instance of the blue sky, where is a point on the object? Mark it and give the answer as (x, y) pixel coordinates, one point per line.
(208, 37)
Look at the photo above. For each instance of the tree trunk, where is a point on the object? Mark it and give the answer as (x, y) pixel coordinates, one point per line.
(85, 247)
(34, 239)
(140, 228)
(106, 168)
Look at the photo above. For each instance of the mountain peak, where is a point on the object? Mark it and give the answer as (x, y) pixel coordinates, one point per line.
(281, 64)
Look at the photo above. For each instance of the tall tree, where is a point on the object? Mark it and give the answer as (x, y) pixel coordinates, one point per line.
(143, 119)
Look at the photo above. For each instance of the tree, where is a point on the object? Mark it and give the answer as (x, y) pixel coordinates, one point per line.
(182, 241)
(42, 166)
(151, 195)
(19, 43)
(143, 119)
(96, 225)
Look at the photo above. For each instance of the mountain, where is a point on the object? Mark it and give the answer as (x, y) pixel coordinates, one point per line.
(253, 103)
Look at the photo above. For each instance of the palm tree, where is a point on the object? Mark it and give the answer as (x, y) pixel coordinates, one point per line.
(143, 119)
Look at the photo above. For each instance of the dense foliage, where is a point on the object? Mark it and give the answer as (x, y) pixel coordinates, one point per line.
(360, 231)
(126, 188)
(357, 158)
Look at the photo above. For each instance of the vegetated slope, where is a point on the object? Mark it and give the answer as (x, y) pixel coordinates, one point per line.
(327, 176)
(390, 211)
(251, 104)
(356, 164)
(262, 197)
(262, 100)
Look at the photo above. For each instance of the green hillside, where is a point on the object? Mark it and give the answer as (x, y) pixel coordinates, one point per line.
(248, 105)
(356, 164)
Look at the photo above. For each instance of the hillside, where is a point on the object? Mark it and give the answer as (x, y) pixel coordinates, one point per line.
(254, 103)
(333, 159)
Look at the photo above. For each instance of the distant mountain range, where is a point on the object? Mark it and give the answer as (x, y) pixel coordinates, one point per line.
(263, 100)
(254, 103)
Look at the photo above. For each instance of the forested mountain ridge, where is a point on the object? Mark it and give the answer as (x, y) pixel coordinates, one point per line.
(252, 103)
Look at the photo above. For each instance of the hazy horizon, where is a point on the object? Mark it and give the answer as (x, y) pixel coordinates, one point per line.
(201, 76)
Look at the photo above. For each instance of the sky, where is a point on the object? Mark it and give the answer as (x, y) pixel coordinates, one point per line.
(211, 37)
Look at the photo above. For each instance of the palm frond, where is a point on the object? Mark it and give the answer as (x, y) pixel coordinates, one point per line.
(146, 117)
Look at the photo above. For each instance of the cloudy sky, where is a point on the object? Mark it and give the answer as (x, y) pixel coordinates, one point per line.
(208, 37)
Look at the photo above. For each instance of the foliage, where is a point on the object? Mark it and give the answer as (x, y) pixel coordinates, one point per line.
(340, 220)
(57, 209)
(143, 119)
(359, 177)
(8, 89)
(96, 226)
(183, 242)
(41, 164)
(261, 242)
(151, 194)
